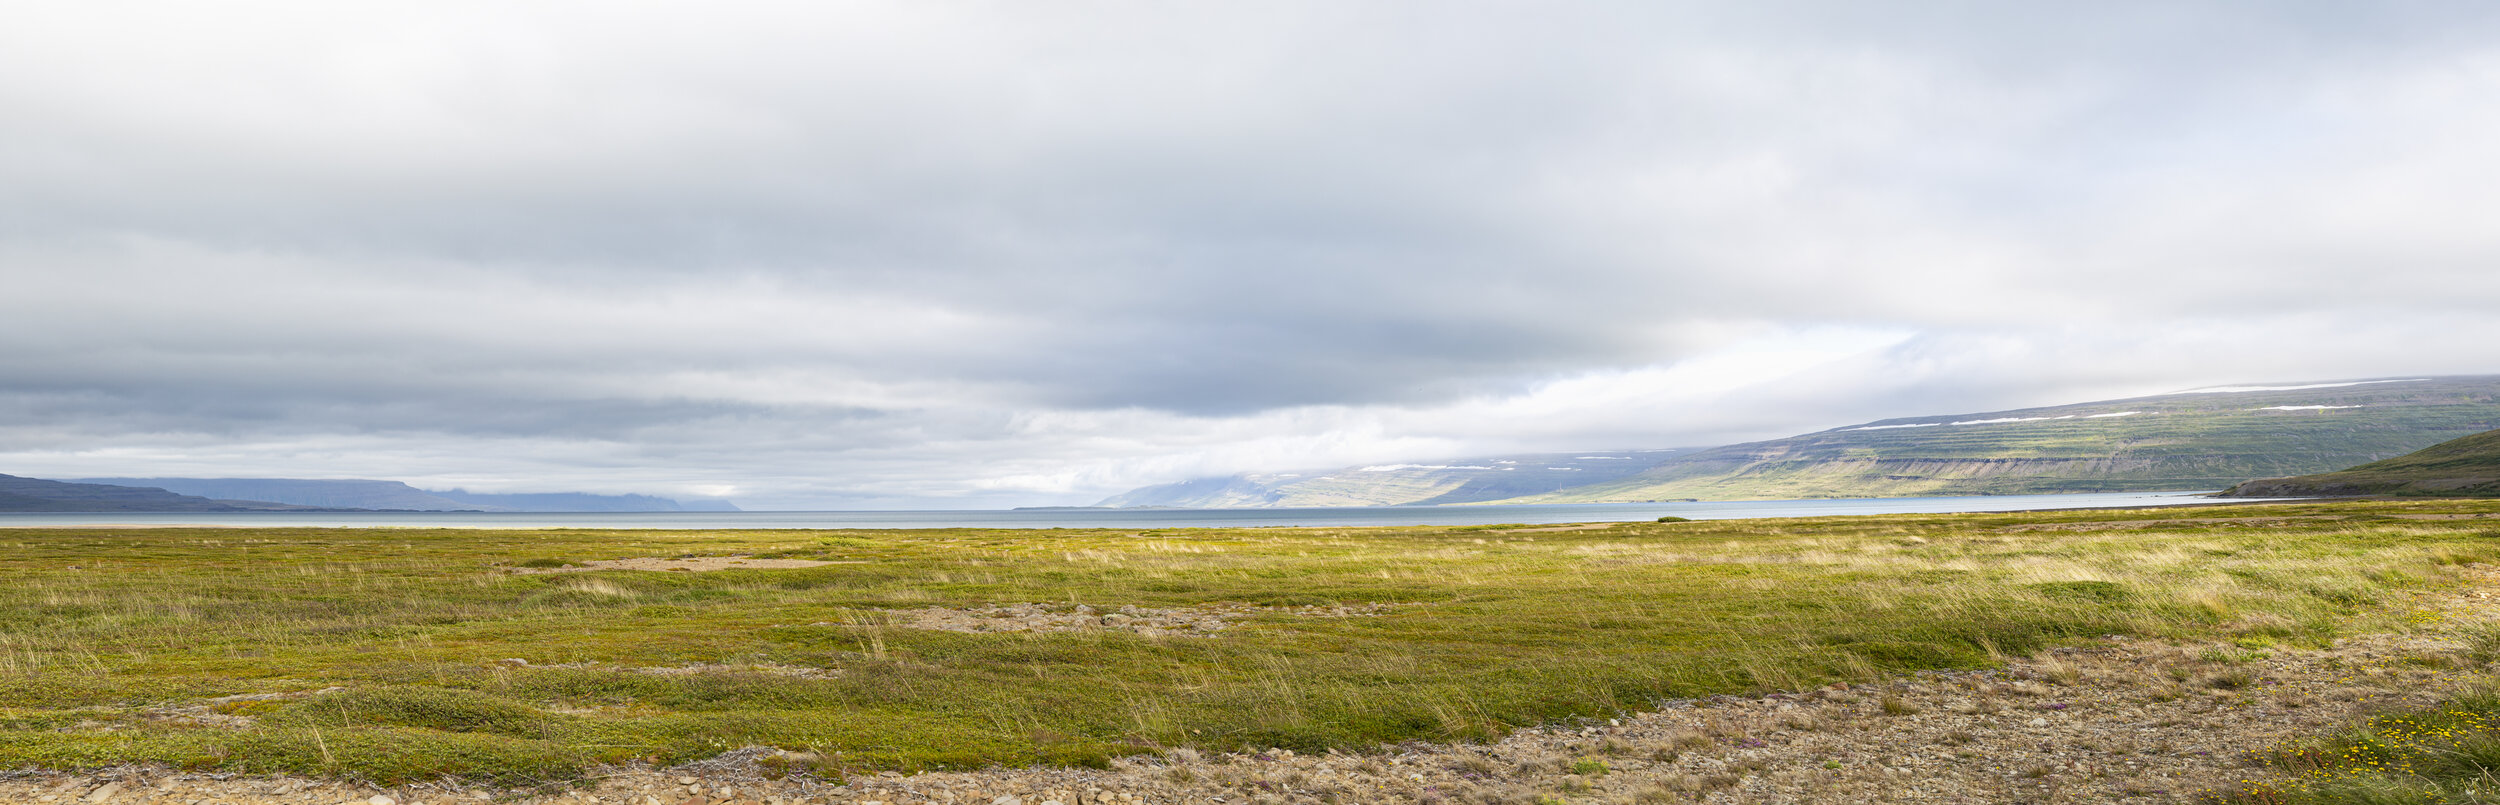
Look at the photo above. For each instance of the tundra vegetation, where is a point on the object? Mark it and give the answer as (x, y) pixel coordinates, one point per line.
(506, 656)
(2446, 753)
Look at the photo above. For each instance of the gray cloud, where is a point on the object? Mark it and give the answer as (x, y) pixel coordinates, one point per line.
(980, 254)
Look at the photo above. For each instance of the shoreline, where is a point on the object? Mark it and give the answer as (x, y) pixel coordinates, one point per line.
(1336, 517)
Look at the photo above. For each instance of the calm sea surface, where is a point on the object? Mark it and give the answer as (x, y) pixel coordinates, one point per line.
(1132, 518)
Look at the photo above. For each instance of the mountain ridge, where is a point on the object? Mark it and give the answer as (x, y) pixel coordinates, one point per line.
(19, 494)
(1435, 482)
(2207, 438)
(2196, 439)
(396, 495)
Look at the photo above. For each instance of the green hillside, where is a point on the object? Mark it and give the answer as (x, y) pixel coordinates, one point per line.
(2194, 440)
(2457, 468)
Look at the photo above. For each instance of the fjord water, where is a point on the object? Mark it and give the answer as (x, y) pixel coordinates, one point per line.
(1352, 516)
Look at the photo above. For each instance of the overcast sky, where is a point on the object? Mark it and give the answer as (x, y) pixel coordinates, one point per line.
(959, 254)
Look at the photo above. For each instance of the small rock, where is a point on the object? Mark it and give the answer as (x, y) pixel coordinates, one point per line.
(2039, 722)
(379, 799)
(105, 793)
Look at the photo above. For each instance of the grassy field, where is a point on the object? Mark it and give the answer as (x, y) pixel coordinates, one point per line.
(385, 654)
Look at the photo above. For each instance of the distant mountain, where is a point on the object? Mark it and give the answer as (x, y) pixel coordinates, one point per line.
(371, 494)
(348, 494)
(2467, 467)
(583, 502)
(2202, 439)
(1464, 480)
(36, 495)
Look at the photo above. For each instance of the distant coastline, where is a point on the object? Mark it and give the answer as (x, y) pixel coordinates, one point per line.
(1134, 518)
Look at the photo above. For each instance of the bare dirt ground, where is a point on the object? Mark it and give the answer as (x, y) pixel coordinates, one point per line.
(2135, 721)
